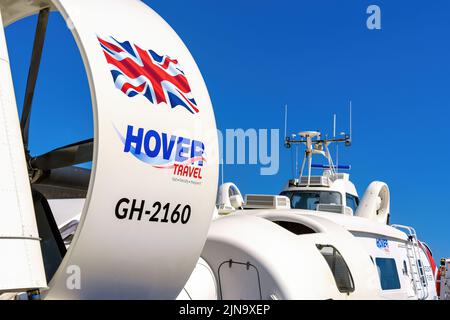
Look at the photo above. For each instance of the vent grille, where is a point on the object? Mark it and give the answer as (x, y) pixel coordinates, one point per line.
(330, 208)
(259, 200)
(316, 181)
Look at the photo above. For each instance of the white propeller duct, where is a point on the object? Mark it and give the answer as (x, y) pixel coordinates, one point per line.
(375, 203)
(155, 158)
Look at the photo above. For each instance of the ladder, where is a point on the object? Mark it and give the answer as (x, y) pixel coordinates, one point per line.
(417, 272)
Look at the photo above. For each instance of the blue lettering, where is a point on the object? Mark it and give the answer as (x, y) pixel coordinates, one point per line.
(137, 140)
(156, 143)
(167, 147)
(148, 136)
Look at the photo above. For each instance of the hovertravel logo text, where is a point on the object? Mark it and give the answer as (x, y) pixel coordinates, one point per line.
(182, 155)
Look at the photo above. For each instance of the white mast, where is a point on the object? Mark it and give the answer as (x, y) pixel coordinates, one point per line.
(337, 146)
(334, 125)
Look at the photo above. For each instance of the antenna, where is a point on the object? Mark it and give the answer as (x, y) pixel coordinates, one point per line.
(337, 145)
(285, 120)
(337, 158)
(317, 145)
(334, 125)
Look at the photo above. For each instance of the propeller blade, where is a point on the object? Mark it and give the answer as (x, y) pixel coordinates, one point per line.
(33, 73)
(66, 156)
(64, 183)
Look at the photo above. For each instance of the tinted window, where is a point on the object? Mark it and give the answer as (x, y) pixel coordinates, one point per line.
(309, 200)
(352, 201)
(294, 227)
(339, 268)
(387, 270)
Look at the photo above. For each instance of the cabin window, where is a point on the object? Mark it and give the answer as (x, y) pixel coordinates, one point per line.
(339, 268)
(309, 200)
(294, 227)
(352, 201)
(387, 271)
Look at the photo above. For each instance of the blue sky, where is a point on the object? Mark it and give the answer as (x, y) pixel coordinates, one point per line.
(315, 56)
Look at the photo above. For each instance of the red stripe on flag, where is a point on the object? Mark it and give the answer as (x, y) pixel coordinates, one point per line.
(128, 85)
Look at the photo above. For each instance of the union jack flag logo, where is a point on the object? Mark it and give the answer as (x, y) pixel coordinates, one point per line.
(158, 78)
